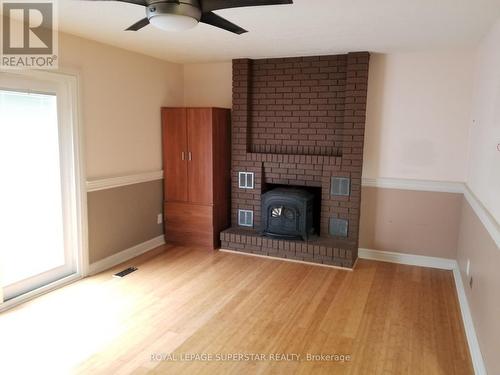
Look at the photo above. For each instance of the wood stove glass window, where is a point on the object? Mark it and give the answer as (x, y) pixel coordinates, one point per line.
(283, 220)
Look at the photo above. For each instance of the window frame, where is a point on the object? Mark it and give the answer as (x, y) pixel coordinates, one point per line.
(73, 173)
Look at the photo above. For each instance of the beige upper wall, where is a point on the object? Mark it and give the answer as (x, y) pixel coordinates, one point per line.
(208, 85)
(417, 118)
(419, 107)
(484, 165)
(121, 96)
(418, 115)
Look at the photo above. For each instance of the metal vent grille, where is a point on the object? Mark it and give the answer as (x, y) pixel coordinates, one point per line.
(339, 227)
(341, 186)
(246, 180)
(245, 218)
(125, 272)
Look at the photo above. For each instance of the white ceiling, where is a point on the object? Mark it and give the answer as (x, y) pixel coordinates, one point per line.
(308, 27)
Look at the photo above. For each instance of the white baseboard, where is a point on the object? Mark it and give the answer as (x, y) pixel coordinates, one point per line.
(470, 331)
(410, 259)
(125, 255)
(446, 264)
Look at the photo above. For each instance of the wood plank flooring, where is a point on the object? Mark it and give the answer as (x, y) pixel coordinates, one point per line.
(390, 319)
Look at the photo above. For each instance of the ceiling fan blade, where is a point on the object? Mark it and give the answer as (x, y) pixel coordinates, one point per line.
(217, 21)
(138, 25)
(209, 5)
(137, 2)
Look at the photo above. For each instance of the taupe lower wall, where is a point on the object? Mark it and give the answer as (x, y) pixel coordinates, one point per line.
(408, 221)
(123, 217)
(476, 244)
(405, 221)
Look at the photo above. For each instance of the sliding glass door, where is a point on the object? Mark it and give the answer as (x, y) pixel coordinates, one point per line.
(36, 248)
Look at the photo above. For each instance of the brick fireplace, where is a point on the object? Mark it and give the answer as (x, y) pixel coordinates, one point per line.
(299, 122)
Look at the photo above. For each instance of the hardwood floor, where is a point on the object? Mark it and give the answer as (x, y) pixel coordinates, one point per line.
(390, 319)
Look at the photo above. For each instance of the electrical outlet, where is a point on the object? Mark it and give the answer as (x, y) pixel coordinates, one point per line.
(467, 268)
(159, 219)
(471, 282)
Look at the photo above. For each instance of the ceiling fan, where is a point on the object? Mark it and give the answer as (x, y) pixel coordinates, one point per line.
(177, 15)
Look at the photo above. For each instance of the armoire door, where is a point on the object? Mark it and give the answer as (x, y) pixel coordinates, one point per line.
(199, 124)
(175, 154)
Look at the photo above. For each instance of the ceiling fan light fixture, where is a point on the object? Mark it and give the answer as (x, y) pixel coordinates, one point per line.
(173, 22)
(178, 15)
(172, 16)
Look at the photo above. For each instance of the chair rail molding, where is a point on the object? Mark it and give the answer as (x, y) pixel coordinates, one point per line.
(118, 181)
(484, 215)
(417, 185)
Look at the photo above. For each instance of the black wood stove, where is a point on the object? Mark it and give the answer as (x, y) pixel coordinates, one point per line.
(287, 213)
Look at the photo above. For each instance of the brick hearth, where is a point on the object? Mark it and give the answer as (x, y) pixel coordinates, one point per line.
(299, 121)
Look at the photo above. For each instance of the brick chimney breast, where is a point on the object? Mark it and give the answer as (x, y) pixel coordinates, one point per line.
(300, 122)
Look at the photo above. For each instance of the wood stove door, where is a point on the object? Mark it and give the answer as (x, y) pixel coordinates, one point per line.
(283, 220)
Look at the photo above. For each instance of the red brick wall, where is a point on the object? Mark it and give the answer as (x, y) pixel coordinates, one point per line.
(297, 105)
(300, 121)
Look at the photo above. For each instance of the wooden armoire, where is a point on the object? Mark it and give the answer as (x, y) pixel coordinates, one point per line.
(196, 163)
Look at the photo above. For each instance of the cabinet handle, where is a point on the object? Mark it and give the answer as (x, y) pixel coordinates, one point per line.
(190, 156)
(183, 155)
